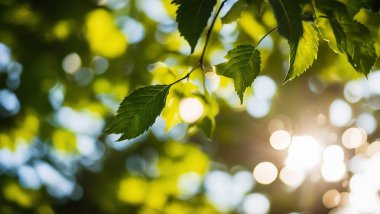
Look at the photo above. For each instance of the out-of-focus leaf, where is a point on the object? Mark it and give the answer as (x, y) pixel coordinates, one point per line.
(243, 67)
(138, 111)
(171, 115)
(234, 13)
(192, 18)
(304, 52)
(207, 126)
(373, 5)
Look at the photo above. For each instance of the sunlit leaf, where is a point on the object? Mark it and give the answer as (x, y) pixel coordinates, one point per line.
(139, 110)
(243, 66)
(171, 115)
(304, 52)
(192, 18)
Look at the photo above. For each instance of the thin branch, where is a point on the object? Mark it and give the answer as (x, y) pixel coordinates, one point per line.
(200, 64)
(209, 32)
(186, 76)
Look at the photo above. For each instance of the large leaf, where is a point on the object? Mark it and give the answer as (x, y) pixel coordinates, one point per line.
(234, 13)
(192, 16)
(348, 36)
(243, 66)
(304, 52)
(138, 111)
(288, 15)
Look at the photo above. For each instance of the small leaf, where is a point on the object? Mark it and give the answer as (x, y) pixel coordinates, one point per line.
(304, 52)
(207, 126)
(234, 13)
(192, 16)
(288, 15)
(138, 111)
(243, 67)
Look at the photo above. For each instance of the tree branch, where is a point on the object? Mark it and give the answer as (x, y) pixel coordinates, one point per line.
(200, 64)
(209, 32)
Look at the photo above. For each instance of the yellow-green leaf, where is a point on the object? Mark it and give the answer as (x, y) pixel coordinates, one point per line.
(303, 52)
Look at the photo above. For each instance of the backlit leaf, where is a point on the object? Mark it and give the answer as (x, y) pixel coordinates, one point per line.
(138, 111)
(243, 67)
(304, 52)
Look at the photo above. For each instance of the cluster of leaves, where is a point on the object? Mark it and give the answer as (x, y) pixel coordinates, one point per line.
(300, 22)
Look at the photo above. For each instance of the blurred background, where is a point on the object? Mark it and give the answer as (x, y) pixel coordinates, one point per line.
(309, 146)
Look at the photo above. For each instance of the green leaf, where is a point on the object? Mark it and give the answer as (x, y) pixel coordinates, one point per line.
(303, 52)
(348, 36)
(234, 13)
(288, 15)
(192, 16)
(243, 66)
(138, 111)
(207, 125)
(354, 39)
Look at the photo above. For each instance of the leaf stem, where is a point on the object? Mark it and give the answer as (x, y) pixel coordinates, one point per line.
(209, 32)
(262, 38)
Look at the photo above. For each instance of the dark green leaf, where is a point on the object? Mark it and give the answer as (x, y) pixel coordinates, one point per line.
(348, 36)
(288, 15)
(243, 66)
(303, 52)
(234, 13)
(355, 40)
(138, 111)
(192, 16)
(207, 126)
